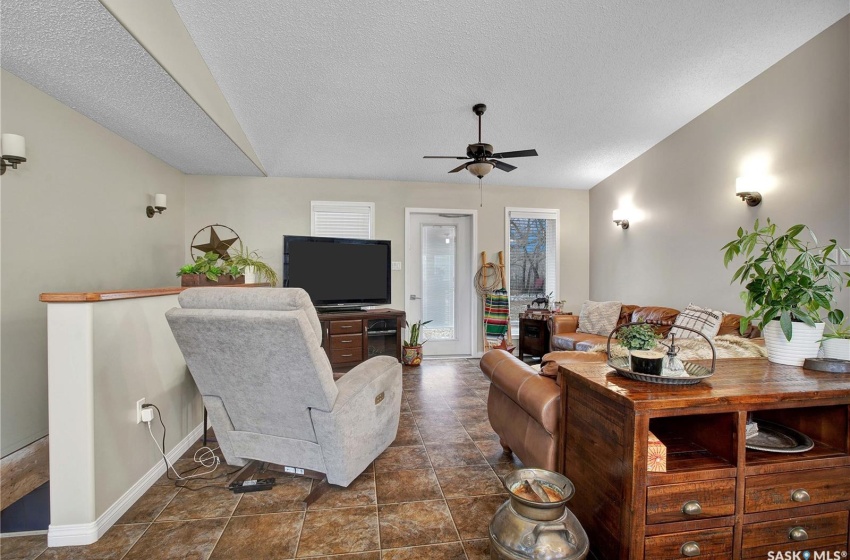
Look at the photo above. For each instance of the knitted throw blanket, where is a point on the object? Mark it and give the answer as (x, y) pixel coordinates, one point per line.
(727, 346)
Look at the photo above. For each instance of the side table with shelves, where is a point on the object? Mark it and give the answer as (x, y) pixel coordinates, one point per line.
(717, 499)
(533, 336)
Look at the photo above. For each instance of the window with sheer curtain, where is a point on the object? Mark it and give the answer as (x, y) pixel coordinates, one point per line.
(532, 263)
(353, 220)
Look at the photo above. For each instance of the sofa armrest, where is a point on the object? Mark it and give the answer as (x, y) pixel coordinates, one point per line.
(561, 324)
(538, 396)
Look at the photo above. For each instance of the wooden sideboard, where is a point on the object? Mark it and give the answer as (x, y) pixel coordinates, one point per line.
(740, 503)
(352, 337)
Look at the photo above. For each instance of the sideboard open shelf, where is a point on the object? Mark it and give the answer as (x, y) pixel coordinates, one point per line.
(717, 499)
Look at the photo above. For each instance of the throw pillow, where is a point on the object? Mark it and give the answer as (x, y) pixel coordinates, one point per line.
(707, 321)
(598, 317)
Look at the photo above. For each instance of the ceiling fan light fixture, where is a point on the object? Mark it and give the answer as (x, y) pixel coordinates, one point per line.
(480, 168)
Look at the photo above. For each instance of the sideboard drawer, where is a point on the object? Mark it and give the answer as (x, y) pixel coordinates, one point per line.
(802, 488)
(342, 341)
(695, 500)
(711, 544)
(808, 531)
(345, 327)
(346, 355)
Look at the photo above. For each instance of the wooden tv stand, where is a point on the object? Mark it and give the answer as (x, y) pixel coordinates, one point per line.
(352, 337)
(749, 502)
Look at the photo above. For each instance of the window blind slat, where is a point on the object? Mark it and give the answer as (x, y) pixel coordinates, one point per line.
(342, 219)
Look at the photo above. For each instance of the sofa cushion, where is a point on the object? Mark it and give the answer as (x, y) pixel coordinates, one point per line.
(661, 317)
(706, 321)
(598, 317)
(570, 341)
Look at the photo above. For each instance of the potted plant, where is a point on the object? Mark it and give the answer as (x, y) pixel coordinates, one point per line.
(640, 340)
(788, 284)
(249, 263)
(411, 354)
(836, 343)
(208, 271)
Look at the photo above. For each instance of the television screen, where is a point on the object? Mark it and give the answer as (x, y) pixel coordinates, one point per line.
(336, 271)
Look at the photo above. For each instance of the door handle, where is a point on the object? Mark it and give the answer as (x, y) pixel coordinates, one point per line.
(414, 297)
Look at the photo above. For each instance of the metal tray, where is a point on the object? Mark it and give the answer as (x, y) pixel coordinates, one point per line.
(777, 438)
(830, 365)
(696, 372)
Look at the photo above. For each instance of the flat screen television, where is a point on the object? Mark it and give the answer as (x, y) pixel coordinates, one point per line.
(338, 272)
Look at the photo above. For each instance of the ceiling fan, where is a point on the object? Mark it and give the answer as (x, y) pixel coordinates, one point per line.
(481, 154)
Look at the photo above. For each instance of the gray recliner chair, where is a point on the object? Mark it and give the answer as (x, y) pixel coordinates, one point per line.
(256, 356)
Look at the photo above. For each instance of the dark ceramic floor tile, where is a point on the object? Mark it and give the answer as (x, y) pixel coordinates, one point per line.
(482, 394)
(472, 515)
(478, 549)
(22, 548)
(188, 540)
(433, 416)
(415, 523)
(471, 415)
(373, 555)
(479, 429)
(203, 503)
(339, 531)
(398, 458)
(149, 506)
(259, 536)
(114, 544)
(504, 469)
(287, 495)
(469, 481)
(447, 551)
(450, 434)
(407, 436)
(418, 401)
(493, 452)
(466, 401)
(407, 486)
(361, 492)
(454, 454)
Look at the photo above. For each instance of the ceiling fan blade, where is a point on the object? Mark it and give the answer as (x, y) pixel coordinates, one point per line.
(446, 157)
(520, 153)
(503, 166)
(458, 168)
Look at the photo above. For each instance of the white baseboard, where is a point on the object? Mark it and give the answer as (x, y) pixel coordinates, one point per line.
(87, 533)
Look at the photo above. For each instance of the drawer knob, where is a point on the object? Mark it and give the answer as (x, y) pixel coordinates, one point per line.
(692, 508)
(690, 549)
(800, 496)
(798, 534)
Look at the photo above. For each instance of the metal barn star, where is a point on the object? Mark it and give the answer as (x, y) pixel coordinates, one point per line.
(217, 245)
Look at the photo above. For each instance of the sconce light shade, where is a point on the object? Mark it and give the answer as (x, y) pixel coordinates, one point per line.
(158, 205)
(747, 188)
(480, 168)
(13, 150)
(620, 218)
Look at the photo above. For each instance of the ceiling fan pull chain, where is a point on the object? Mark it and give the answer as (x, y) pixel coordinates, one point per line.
(481, 192)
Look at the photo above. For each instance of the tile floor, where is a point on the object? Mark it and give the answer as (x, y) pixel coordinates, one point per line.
(429, 496)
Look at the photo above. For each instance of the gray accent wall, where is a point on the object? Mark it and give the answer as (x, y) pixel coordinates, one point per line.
(797, 115)
(73, 219)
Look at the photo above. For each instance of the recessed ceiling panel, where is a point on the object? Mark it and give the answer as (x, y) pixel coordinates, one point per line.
(78, 53)
(363, 90)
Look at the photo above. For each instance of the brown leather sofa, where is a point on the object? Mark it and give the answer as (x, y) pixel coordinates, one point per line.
(564, 336)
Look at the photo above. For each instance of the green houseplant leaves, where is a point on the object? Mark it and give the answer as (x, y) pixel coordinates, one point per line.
(785, 277)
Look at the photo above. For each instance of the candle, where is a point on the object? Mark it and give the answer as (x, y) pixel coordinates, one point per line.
(159, 201)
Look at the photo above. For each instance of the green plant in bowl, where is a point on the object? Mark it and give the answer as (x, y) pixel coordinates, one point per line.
(206, 264)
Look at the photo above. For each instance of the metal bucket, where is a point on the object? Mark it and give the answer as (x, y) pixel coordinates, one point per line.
(527, 529)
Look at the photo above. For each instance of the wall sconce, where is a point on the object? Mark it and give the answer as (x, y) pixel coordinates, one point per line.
(158, 205)
(13, 150)
(747, 188)
(620, 219)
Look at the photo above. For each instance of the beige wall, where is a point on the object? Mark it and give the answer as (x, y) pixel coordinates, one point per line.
(262, 210)
(72, 220)
(798, 113)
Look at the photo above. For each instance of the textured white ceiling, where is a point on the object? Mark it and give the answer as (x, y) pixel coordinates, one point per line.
(325, 88)
(75, 51)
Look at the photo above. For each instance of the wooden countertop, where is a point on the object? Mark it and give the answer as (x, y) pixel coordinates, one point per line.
(88, 297)
(735, 380)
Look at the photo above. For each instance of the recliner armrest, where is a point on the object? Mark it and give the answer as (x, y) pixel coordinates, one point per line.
(538, 396)
(360, 376)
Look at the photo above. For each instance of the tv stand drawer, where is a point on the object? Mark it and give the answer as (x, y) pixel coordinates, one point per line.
(345, 327)
(346, 355)
(346, 341)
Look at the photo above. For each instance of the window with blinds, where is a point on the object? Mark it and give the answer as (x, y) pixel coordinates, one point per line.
(532, 263)
(353, 220)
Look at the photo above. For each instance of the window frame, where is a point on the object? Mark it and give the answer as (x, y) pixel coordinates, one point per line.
(340, 204)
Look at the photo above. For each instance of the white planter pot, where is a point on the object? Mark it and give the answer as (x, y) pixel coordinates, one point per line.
(804, 343)
(250, 275)
(837, 348)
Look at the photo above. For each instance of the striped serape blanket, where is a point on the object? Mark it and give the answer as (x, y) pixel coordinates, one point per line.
(496, 314)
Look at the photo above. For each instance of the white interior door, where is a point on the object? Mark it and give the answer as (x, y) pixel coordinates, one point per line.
(438, 274)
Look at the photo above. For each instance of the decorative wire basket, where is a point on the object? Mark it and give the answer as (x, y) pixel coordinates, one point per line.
(696, 372)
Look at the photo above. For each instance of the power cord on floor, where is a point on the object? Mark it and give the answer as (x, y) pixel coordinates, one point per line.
(205, 456)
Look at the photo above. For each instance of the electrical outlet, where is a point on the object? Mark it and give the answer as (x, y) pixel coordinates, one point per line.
(396, 265)
(139, 404)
